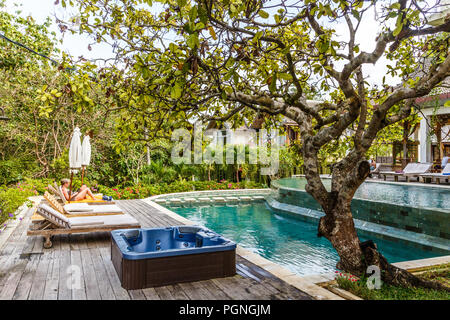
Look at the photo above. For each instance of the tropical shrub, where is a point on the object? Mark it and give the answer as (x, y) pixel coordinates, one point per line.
(13, 197)
(144, 191)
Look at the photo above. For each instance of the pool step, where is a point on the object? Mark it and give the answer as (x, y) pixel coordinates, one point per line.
(232, 199)
(208, 200)
(218, 199)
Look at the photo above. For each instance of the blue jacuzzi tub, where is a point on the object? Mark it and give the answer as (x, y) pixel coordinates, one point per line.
(160, 256)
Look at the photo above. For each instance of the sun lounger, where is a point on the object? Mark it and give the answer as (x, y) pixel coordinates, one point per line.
(444, 175)
(377, 168)
(56, 223)
(53, 191)
(98, 198)
(380, 168)
(412, 169)
(81, 209)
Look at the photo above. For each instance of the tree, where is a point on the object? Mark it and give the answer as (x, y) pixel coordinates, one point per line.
(22, 72)
(44, 102)
(225, 60)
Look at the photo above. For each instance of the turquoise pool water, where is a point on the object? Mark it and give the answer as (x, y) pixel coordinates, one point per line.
(284, 240)
(412, 196)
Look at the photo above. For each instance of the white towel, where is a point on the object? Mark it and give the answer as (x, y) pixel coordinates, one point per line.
(78, 207)
(106, 208)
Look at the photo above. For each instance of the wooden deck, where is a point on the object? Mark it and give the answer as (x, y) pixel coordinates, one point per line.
(78, 267)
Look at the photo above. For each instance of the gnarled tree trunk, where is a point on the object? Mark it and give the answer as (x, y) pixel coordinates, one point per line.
(355, 257)
(338, 226)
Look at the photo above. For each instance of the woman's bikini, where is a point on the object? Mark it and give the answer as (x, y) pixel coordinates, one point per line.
(74, 194)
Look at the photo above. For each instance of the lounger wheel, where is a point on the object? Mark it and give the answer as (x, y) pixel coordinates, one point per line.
(48, 242)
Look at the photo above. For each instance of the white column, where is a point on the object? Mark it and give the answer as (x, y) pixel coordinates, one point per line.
(425, 145)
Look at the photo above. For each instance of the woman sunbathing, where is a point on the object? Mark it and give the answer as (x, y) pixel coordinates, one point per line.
(80, 194)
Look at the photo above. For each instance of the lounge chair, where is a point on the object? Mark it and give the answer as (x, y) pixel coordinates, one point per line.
(98, 198)
(56, 223)
(81, 209)
(380, 168)
(53, 191)
(377, 169)
(412, 169)
(444, 175)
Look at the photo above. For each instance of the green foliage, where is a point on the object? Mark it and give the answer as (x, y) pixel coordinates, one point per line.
(144, 191)
(13, 197)
(14, 170)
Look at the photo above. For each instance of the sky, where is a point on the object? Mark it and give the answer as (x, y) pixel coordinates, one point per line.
(77, 45)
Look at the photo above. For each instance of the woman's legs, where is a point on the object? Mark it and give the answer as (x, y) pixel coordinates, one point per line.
(90, 193)
(82, 194)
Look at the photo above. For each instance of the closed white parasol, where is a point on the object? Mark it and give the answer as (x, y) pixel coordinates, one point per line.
(86, 151)
(75, 156)
(75, 151)
(86, 155)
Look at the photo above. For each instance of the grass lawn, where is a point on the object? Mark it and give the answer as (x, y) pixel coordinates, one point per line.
(388, 292)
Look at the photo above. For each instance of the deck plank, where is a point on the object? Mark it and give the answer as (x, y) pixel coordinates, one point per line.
(12, 264)
(64, 281)
(92, 286)
(146, 220)
(38, 285)
(214, 290)
(150, 294)
(164, 293)
(12, 281)
(177, 292)
(64, 241)
(194, 293)
(77, 276)
(137, 294)
(104, 285)
(52, 280)
(119, 292)
(24, 286)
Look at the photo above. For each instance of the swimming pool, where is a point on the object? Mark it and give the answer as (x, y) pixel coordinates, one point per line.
(418, 209)
(426, 197)
(279, 238)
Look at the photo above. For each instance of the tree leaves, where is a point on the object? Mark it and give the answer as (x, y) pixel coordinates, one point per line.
(212, 32)
(272, 82)
(263, 14)
(397, 30)
(193, 41)
(176, 91)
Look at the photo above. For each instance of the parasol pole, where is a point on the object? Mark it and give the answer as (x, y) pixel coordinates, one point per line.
(82, 174)
(70, 188)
